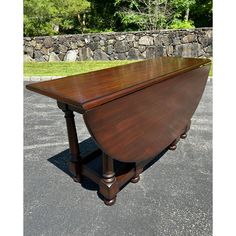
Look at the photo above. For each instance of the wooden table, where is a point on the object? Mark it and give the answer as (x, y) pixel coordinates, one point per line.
(133, 112)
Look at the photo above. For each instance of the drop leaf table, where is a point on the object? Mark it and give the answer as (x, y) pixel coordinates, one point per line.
(133, 112)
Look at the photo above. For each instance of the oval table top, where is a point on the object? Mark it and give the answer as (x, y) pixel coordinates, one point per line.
(89, 90)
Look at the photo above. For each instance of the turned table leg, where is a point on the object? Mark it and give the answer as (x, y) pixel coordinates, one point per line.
(138, 171)
(75, 161)
(184, 135)
(173, 145)
(108, 185)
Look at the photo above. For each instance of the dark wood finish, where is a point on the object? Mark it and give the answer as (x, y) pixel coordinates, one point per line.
(133, 112)
(138, 171)
(173, 145)
(92, 89)
(184, 135)
(109, 180)
(75, 161)
(140, 125)
(108, 169)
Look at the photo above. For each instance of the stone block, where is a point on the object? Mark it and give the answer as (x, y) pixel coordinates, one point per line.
(27, 58)
(87, 39)
(38, 56)
(80, 43)
(29, 51)
(33, 43)
(100, 55)
(189, 38)
(85, 54)
(121, 46)
(96, 39)
(165, 40)
(73, 45)
(121, 56)
(157, 41)
(134, 54)
(102, 42)
(38, 46)
(176, 41)
(109, 49)
(153, 52)
(208, 49)
(61, 56)
(63, 48)
(94, 45)
(53, 57)
(187, 50)
(130, 37)
(141, 48)
(120, 37)
(169, 50)
(111, 41)
(48, 42)
(44, 51)
(71, 55)
(146, 40)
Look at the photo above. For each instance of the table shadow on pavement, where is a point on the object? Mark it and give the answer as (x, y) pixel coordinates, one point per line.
(61, 160)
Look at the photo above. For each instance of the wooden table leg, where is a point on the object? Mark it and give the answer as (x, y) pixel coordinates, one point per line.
(138, 171)
(173, 145)
(184, 135)
(108, 185)
(75, 161)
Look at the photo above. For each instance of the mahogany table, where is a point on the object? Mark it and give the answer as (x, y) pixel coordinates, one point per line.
(133, 112)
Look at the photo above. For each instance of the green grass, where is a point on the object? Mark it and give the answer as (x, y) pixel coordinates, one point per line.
(68, 68)
(211, 70)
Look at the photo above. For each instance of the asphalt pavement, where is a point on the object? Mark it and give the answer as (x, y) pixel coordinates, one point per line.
(173, 197)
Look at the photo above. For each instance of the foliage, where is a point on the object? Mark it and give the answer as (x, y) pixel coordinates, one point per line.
(37, 16)
(156, 14)
(201, 13)
(144, 14)
(47, 17)
(179, 24)
(102, 16)
(182, 8)
(71, 15)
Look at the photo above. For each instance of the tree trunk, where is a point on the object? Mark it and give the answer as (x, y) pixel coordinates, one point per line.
(81, 21)
(187, 14)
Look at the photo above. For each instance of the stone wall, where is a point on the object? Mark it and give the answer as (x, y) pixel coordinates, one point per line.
(120, 46)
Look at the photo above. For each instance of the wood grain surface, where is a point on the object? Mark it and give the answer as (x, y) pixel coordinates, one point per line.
(92, 89)
(140, 125)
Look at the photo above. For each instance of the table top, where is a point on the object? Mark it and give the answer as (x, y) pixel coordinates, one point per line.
(92, 89)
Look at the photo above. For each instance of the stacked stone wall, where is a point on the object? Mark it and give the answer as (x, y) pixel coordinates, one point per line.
(120, 46)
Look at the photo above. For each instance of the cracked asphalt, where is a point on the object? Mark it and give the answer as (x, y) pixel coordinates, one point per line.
(173, 197)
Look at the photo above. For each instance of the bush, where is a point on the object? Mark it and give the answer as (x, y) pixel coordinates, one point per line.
(181, 24)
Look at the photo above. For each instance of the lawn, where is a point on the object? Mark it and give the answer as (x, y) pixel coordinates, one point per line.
(70, 68)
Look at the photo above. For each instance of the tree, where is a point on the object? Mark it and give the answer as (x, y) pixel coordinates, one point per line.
(155, 14)
(71, 15)
(181, 11)
(144, 14)
(48, 17)
(37, 17)
(102, 16)
(182, 8)
(201, 13)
